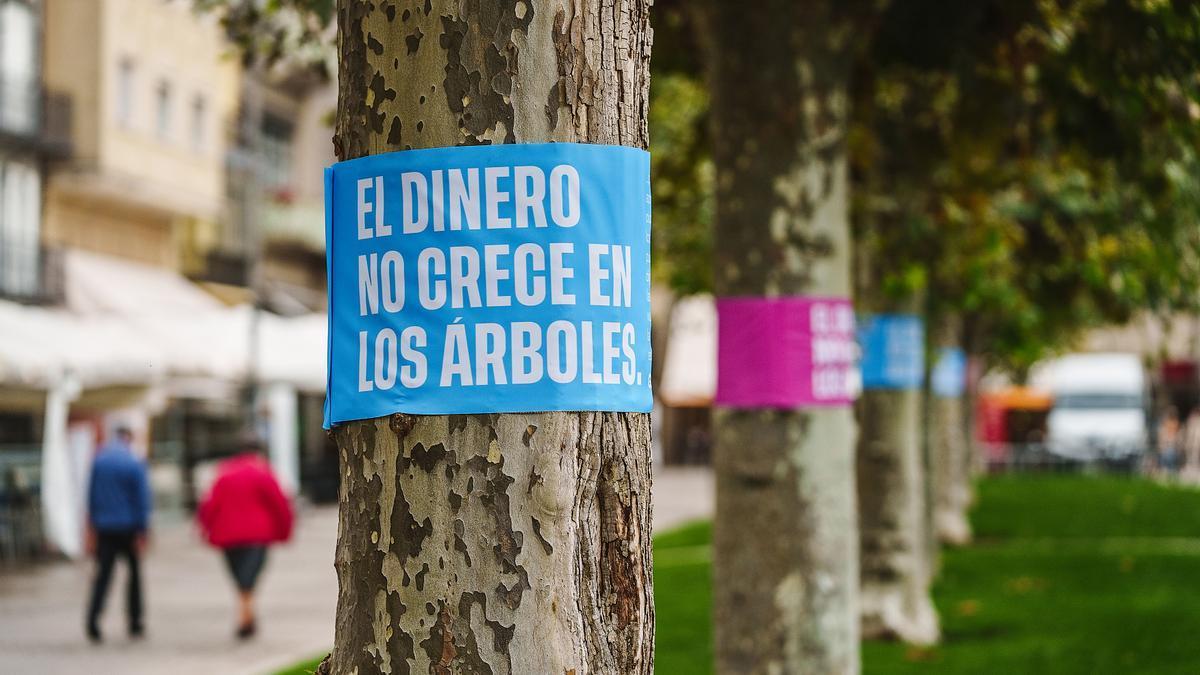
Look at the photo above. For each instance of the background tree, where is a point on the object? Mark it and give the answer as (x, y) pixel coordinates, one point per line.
(1028, 168)
(785, 535)
(947, 452)
(896, 566)
(268, 32)
(895, 555)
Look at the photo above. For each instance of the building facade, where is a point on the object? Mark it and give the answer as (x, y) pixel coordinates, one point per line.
(155, 88)
(34, 132)
(161, 250)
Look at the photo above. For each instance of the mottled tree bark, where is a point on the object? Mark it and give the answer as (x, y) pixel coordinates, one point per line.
(493, 543)
(896, 556)
(785, 537)
(951, 464)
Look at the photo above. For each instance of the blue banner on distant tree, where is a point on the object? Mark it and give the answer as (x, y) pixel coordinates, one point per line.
(948, 378)
(893, 351)
(506, 278)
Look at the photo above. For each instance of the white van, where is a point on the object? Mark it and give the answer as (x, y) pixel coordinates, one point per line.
(1100, 407)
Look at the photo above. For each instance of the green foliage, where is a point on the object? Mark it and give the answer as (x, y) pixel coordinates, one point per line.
(1072, 574)
(268, 32)
(682, 172)
(1035, 158)
(1031, 164)
(681, 166)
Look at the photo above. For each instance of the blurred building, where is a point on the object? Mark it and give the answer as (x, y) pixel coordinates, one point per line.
(161, 251)
(686, 361)
(154, 87)
(34, 134)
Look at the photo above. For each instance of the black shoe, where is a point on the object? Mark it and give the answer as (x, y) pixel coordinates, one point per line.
(137, 632)
(247, 630)
(93, 634)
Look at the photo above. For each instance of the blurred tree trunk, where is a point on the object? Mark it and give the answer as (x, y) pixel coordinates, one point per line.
(976, 463)
(493, 543)
(785, 536)
(951, 475)
(897, 561)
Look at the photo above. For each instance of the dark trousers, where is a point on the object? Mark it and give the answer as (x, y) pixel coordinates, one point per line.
(245, 563)
(109, 545)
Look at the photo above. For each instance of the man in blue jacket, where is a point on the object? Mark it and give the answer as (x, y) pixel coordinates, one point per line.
(118, 515)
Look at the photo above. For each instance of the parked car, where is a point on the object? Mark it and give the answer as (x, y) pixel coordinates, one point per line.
(1100, 407)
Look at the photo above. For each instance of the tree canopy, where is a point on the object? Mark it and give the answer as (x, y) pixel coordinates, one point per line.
(1033, 165)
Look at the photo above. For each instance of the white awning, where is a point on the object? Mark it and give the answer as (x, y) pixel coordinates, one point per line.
(128, 323)
(689, 376)
(293, 350)
(196, 334)
(39, 346)
(100, 284)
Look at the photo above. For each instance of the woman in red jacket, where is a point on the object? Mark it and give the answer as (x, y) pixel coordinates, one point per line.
(244, 512)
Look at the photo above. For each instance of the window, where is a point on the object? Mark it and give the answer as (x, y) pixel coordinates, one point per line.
(20, 223)
(18, 67)
(162, 99)
(276, 152)
(1098, 401)
(199, 110)
(125, 76)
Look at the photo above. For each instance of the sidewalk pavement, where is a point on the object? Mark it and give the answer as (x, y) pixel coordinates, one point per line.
(189, 609)
(190, 600)
(681, 495)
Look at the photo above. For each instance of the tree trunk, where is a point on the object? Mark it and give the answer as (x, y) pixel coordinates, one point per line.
(948, 449)
(976, 462)
(896, 558)
(493, 543)
(785, 536)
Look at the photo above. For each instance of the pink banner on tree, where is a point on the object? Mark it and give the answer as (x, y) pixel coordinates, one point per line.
(792, 352)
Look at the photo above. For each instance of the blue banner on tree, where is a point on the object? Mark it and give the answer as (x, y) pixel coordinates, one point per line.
(948, 378)
(893, 351)
(500, 278)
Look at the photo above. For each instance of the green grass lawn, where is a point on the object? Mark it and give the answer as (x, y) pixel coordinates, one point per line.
(1070, 574)
(304, 667)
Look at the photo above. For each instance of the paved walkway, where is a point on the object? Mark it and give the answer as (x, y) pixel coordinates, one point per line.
(682, 495)
(190, 610)
(190, 603)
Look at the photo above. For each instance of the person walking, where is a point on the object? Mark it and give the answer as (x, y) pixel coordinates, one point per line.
(244, 512)
(118, 519)
(1191, 448)
(1168, 443)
